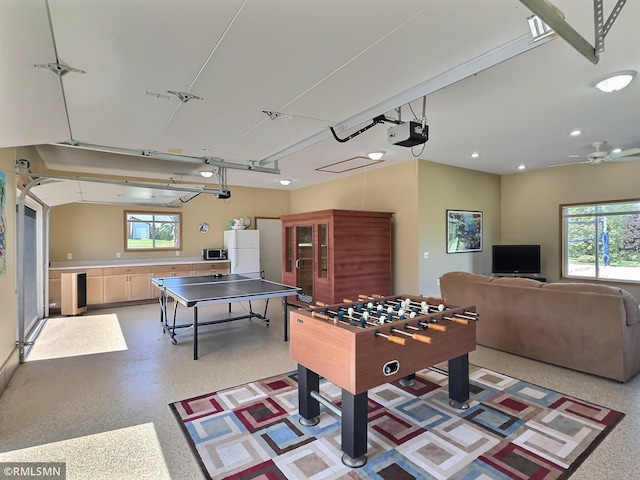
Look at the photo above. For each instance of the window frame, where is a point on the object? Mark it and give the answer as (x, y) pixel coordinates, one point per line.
(153, 213)
(564, 240)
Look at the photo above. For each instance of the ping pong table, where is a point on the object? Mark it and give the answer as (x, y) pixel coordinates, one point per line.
(193, 292)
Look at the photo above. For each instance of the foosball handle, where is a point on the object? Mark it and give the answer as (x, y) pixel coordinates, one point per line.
(461, 321)
(439, 328)
(346, 300)
(321, 304)
(376, 295)
(421, 338)
(324, 317)
(398, 340)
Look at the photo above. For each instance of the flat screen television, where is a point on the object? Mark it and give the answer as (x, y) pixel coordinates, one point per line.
(515, 259)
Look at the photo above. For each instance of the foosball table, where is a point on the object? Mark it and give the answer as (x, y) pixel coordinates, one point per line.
(361, 344)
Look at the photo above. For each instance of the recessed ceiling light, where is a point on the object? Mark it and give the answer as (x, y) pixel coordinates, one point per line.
(575, 133)
(521, 167)
(285, 181)
(206, 173)
(376, 155)
(614, 81)
(475, 155)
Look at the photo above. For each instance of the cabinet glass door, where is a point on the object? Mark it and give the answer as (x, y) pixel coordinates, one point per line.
(304, 261)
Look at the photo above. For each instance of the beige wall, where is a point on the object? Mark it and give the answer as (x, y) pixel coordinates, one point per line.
(389, 189)
(96, 232)
(443, 188)
(531, 200)
(8, 332)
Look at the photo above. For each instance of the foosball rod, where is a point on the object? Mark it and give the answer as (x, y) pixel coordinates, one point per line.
(414, 336)
(407, 303)
(335, 320)
(432, 324)
(391, 338)
(466, 314)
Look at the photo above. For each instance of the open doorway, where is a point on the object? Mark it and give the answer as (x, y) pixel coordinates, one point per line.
(270, 248)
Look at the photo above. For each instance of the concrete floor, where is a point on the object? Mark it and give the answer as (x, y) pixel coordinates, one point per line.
(104, 408)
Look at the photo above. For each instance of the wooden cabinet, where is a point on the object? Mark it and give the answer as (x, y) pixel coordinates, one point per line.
(55, 295)
(94, 286)
(177, 270)
(124, 284)
(73, 291)
(202, 269)
(127, 284)
(337, 254)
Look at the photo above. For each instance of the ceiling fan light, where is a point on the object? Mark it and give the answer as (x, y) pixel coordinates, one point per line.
(206, 173)
(615, 81)
(376, 155)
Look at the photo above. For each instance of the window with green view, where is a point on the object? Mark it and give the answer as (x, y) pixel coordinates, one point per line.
(602, 241)
(152, 231)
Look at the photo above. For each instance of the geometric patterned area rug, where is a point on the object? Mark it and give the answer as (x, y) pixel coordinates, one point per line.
(512, 430)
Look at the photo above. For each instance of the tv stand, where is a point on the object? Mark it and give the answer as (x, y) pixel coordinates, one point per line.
(519, 275)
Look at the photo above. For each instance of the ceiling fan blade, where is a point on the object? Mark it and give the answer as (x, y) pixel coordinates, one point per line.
(625, 159)
(626, 153)
(569, 163)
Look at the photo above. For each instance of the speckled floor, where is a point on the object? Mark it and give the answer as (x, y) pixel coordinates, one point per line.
(106, 414)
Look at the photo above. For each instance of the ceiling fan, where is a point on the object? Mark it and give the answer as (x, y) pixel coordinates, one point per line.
(599, 156)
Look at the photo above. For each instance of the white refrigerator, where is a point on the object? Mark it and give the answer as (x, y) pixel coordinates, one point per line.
(243, 250)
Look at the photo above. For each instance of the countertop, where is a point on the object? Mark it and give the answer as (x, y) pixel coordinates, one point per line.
(130, 263)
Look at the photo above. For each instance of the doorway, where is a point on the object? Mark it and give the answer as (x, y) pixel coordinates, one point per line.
(270, 248)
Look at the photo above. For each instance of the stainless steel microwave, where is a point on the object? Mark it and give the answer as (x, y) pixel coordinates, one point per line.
(214, 254)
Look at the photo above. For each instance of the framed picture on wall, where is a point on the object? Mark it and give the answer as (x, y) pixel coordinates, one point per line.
(464, 231)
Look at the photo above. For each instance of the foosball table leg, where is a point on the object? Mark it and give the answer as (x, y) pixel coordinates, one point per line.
(308, 407)
(459, 382)
(408, 381)
(354, 428)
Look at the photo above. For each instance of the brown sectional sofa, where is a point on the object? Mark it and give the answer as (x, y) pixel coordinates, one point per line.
(588, 327)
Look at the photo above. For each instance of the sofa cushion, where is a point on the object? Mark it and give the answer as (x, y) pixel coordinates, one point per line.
(468, 277)
(517, 282)
(631, 306)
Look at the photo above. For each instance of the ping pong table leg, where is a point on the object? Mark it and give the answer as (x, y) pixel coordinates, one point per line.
(286, 320)
(195, 333)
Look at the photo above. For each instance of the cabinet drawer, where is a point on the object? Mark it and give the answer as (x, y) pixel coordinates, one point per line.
(91, 272)
(125, 270)
(183, 268)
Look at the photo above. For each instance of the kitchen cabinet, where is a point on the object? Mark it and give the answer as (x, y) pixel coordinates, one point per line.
(202, 269)
(127, 284)
(124, 284)
(336, 254)
(94, 286)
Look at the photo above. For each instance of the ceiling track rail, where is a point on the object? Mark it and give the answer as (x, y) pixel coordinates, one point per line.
(554, 18)
(22, 168)
(471, 67)
(252, 166)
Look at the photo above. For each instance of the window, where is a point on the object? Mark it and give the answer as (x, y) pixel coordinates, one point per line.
(601, 241)
(152, 231)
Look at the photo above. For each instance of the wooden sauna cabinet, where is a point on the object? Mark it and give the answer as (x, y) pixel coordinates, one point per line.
(336, 254)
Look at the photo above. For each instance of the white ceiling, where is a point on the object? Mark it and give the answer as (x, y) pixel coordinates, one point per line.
(323, 63)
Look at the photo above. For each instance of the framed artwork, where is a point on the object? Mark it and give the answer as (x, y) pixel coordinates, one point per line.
(464, 231)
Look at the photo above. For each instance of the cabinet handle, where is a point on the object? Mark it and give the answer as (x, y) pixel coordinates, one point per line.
(298, 263)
